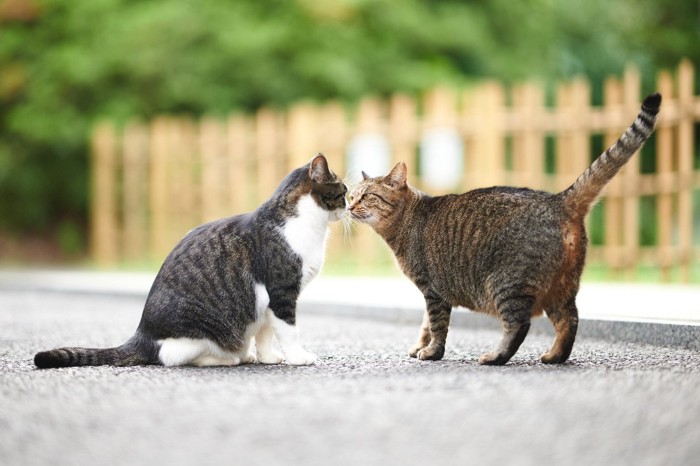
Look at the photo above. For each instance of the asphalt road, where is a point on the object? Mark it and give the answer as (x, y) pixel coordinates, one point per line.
(365, 403)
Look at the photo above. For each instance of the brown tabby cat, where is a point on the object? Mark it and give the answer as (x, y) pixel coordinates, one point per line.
(509, 252)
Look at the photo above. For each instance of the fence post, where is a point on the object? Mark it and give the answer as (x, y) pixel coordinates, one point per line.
(213, 179)
(686, 79)
(158, 196)
(528, 138)
(240, 162)
(302, 141)
(135, 198)
(612, 203)
(666, 181)
(486, 162)
(104, 211)
(631, 176)
(573, 146)
(185, 168)
(403, 134)
(269, 156)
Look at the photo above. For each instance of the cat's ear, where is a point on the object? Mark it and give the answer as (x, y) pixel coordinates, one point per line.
(365, 176)
(397, 176)
(318, 169)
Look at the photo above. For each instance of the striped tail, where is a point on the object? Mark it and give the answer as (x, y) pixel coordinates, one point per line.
(131, 353)
(581, 195)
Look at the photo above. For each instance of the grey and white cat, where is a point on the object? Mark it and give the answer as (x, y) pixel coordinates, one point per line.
(231, 280)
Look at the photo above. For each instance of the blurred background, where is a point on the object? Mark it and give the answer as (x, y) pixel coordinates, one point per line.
(123, 123)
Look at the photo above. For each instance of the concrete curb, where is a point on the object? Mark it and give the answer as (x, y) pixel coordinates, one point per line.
(614, 312)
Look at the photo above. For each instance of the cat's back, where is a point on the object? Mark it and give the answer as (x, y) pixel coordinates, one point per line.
(497, 207)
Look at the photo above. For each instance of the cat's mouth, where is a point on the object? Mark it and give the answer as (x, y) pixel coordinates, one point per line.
(360, 217)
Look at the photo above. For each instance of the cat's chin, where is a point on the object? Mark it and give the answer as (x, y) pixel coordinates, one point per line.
(336, 215)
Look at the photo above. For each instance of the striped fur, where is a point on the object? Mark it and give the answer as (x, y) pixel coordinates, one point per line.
(509, 252)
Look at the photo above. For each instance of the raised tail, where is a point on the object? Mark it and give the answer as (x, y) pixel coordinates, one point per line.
(135, 352)
(581, 195)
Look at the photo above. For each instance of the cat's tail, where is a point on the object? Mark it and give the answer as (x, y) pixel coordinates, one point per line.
(135, 352)
(581, 195)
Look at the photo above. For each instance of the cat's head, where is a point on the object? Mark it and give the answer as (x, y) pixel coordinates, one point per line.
(326, 188)
(377, 201)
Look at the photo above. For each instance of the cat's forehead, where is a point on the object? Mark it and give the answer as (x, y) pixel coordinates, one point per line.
(367, 186)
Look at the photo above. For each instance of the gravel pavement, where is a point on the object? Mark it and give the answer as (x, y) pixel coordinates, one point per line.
(365, 403)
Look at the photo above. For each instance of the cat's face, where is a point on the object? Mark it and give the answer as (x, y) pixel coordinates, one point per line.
(327, 189)
(376, 201)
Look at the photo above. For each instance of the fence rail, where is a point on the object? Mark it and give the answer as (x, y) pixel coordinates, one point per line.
(152, 182)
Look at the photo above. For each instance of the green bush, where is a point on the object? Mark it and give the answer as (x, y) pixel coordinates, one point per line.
(77, 61)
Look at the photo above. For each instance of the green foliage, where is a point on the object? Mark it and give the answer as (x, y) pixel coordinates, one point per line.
(81, 60)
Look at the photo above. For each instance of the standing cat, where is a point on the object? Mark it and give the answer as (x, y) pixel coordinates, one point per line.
(508, 252)
(232, 279)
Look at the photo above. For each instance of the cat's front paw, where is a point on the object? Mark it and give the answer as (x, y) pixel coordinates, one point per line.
(249, 358)
(493, 359)
(301, 358)
(432, 352)
(271, 357)
(415, 349)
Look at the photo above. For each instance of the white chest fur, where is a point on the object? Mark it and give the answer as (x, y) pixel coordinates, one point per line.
(306, 234)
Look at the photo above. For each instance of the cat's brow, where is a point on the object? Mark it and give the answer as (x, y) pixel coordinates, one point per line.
(380, 197)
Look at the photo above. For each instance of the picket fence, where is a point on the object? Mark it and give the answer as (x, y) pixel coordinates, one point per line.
(153, 181)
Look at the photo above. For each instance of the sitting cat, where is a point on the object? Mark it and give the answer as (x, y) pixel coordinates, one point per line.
(230, 280)
(508, 252)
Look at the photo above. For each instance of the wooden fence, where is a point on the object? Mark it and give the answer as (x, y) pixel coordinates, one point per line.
(152, 182)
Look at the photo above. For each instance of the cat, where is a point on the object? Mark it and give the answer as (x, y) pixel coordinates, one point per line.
(508, 252)
(230, 280)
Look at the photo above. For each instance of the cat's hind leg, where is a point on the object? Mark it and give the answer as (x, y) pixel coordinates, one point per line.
(194, 352)
(423, 337)
(266, 353)
(515, 313)
(565, 321)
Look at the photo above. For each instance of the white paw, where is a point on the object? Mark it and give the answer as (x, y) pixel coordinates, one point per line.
(301, 358)
(249, 358)
(271, 357)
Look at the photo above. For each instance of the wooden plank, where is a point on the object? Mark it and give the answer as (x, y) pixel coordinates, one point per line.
(562, 159)
(241, 163)
(103, 188)
(271, 161)
(302, 134)
(665, 181)
(612, 202)
(135, 197)
(403, 134)
(630, 174)
(158, 194)
(686, 80)
(486, 157)
(528, 140)
(182, 172)
(214, 177)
